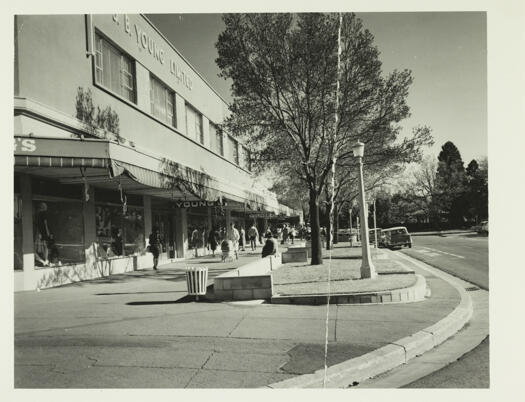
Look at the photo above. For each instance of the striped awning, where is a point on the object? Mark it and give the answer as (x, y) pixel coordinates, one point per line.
(143, 169)
(60, 161)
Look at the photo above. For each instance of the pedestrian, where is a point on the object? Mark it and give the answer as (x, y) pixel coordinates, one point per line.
(195, 235)
(253, 235)
(155, 246)
(285, 234)
(292, 233)
(242, 239)
(213, 240)
(270, 247)
(234, 236)
(205, 244)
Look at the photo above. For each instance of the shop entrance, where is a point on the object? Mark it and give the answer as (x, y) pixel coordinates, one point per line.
(165, 222)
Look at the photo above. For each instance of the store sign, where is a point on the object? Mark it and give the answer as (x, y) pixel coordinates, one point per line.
(148, 43)
(25, 145)
(197, 204)
(266, 215)
(60, 147)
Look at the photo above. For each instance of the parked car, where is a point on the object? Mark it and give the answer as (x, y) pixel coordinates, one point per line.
(371, 236)
(484, 227)
(396, 237)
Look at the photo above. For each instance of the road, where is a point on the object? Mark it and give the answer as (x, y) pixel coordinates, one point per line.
(465, 256)
(462, 255)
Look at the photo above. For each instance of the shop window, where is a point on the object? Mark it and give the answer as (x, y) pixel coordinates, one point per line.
(114, 70)
(117, 233)
(194, 124)
(59, 233)
(162, 102)
(18, 240)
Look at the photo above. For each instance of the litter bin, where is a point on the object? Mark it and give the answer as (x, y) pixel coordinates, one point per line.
(196, 280)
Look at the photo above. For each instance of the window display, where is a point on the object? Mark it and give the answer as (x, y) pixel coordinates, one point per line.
(59, 232)
(120, 234)
(18, 252)
(197, 230)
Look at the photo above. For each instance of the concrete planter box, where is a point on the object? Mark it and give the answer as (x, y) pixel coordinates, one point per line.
(248, 282)
(296, 254)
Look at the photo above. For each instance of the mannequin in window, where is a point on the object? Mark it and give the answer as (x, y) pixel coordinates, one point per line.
(41, 221)
(117, 244)
(53, 251)
(41, 251)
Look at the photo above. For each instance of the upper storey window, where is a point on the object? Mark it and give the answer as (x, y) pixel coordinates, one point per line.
(216, 140)
(194, 124)
(162, 102)
(114, 70)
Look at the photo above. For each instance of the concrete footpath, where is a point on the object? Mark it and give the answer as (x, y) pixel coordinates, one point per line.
(141, 330)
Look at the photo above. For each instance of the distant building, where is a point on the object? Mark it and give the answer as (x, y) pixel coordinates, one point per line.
(115, 134)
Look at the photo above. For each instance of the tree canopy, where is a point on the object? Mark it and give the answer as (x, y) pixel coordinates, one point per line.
(284, 72)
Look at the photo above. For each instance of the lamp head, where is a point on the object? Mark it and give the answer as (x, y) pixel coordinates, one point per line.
(358, 149)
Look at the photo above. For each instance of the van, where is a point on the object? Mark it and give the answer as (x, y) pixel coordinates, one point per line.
(396, 237)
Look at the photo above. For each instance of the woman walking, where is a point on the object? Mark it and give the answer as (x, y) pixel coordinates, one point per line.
(213, 240)
(155, 246)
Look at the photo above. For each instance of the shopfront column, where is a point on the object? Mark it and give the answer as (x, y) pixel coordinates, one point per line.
(147, 217)
(210, 223)
(28, 249)
(181, 230)
(228, 215)
(90, 229)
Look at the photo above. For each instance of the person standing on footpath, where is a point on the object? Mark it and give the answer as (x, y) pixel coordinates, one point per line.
(285, 234)
(195, 237)
(291, 233)
(213, 240)
(234, 236)
(155, 246)
(242, 239)
(253, 235)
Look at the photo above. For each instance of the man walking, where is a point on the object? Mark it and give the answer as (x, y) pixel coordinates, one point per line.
(253, 235)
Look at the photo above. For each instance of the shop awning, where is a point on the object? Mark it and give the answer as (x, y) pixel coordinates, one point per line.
(161, 176)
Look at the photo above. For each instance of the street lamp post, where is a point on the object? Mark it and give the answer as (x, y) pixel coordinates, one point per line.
(368, 269)
(375, 225)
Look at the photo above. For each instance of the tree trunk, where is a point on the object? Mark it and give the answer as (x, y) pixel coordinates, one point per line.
(329, 228)
(336, 223)
(317, 252)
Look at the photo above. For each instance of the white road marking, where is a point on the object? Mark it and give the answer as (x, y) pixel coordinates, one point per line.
(427, 253)
(444, 252)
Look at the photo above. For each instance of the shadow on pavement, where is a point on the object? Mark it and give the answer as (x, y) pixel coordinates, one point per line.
(137, 293)
(343, 257)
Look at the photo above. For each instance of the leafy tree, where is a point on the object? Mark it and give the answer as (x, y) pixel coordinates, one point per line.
(450, 184)
(477, 190)
(283, 69)
(423, 188)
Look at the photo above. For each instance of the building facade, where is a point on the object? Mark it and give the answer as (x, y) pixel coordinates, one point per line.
(116, 134)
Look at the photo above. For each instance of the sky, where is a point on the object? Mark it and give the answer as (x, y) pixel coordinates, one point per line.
(446, 52)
